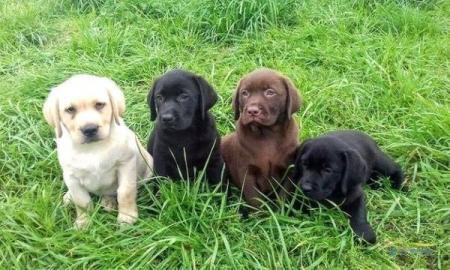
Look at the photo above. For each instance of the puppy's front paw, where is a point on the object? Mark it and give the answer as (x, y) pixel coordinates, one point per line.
(109, 203)
(365, 232)
(67, 199)
(244, 212)
(128, 218)
(82, 222)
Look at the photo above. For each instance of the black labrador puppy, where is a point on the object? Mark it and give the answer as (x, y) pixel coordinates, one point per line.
(185, 138)
(336, 165)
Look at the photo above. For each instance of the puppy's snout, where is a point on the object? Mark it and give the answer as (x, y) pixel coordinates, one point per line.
(90, 130)
(307, 187)
(253, 110)
(167, 118)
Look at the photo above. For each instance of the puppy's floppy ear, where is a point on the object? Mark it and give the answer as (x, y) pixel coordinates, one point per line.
(116, 98)
(236, 105)
(51, 111)
(293, 100)
(152, 102)
(355, 170)
(208, 97)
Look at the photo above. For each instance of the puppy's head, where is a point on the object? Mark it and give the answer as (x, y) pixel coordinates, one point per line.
(178, 98)
(265, 98)
(323, 166)
(85, 106)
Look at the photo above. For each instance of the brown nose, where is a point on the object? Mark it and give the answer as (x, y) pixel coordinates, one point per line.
(253, 110)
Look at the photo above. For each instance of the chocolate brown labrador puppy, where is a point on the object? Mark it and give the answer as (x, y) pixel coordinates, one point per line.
(259, 152)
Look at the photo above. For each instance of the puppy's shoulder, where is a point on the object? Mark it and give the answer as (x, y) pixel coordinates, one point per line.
(227, 144)
(124, 138)
(357, 141)
(228, 139)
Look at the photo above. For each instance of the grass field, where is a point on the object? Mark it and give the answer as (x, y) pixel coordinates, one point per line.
(378, 66)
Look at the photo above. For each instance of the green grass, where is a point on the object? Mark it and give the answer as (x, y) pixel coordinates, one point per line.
(379, 66)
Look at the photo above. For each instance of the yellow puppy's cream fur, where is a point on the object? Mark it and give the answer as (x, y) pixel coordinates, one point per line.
(108, 165)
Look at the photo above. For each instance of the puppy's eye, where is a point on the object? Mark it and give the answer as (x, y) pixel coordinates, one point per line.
(99, 105)
(159, 98)
(269, 93)
(327, 170)
(183, 97)
(70, 110)
(245, 93)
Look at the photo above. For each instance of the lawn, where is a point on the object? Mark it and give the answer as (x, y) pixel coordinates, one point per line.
(382, 67)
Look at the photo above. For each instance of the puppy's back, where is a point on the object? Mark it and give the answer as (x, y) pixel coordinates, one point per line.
(350, 136)
(356, 140)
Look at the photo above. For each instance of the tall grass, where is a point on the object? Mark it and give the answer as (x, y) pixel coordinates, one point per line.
(377, 66)
(229, 20)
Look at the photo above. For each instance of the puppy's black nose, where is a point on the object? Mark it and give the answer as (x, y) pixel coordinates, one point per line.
(89, 130)
(307, 187)
(167, 118)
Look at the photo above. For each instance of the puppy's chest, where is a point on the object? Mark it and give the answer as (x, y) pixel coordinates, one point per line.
(271, 155)
(194, 151)
(270, 160)
(96, 174)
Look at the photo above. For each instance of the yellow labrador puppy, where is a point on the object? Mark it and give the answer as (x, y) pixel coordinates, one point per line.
(98, 153)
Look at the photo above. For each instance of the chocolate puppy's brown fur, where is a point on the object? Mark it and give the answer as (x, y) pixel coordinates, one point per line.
(258, 153)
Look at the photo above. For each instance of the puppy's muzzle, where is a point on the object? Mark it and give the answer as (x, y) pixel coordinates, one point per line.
(90, 131)
(253, 110)
(307, 187)
(310, 187)
(167, 118)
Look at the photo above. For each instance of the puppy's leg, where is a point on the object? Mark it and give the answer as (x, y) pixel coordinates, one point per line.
(215, 171)
(109, 203)
(358, 220)
(251, 195)
(80, 198)
(67, 199)
(287, 188)
(385, 166)
(126, 192)
(161, 165)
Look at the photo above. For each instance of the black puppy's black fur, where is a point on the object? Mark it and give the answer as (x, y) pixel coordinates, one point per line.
(185, 133)
(336, 165)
